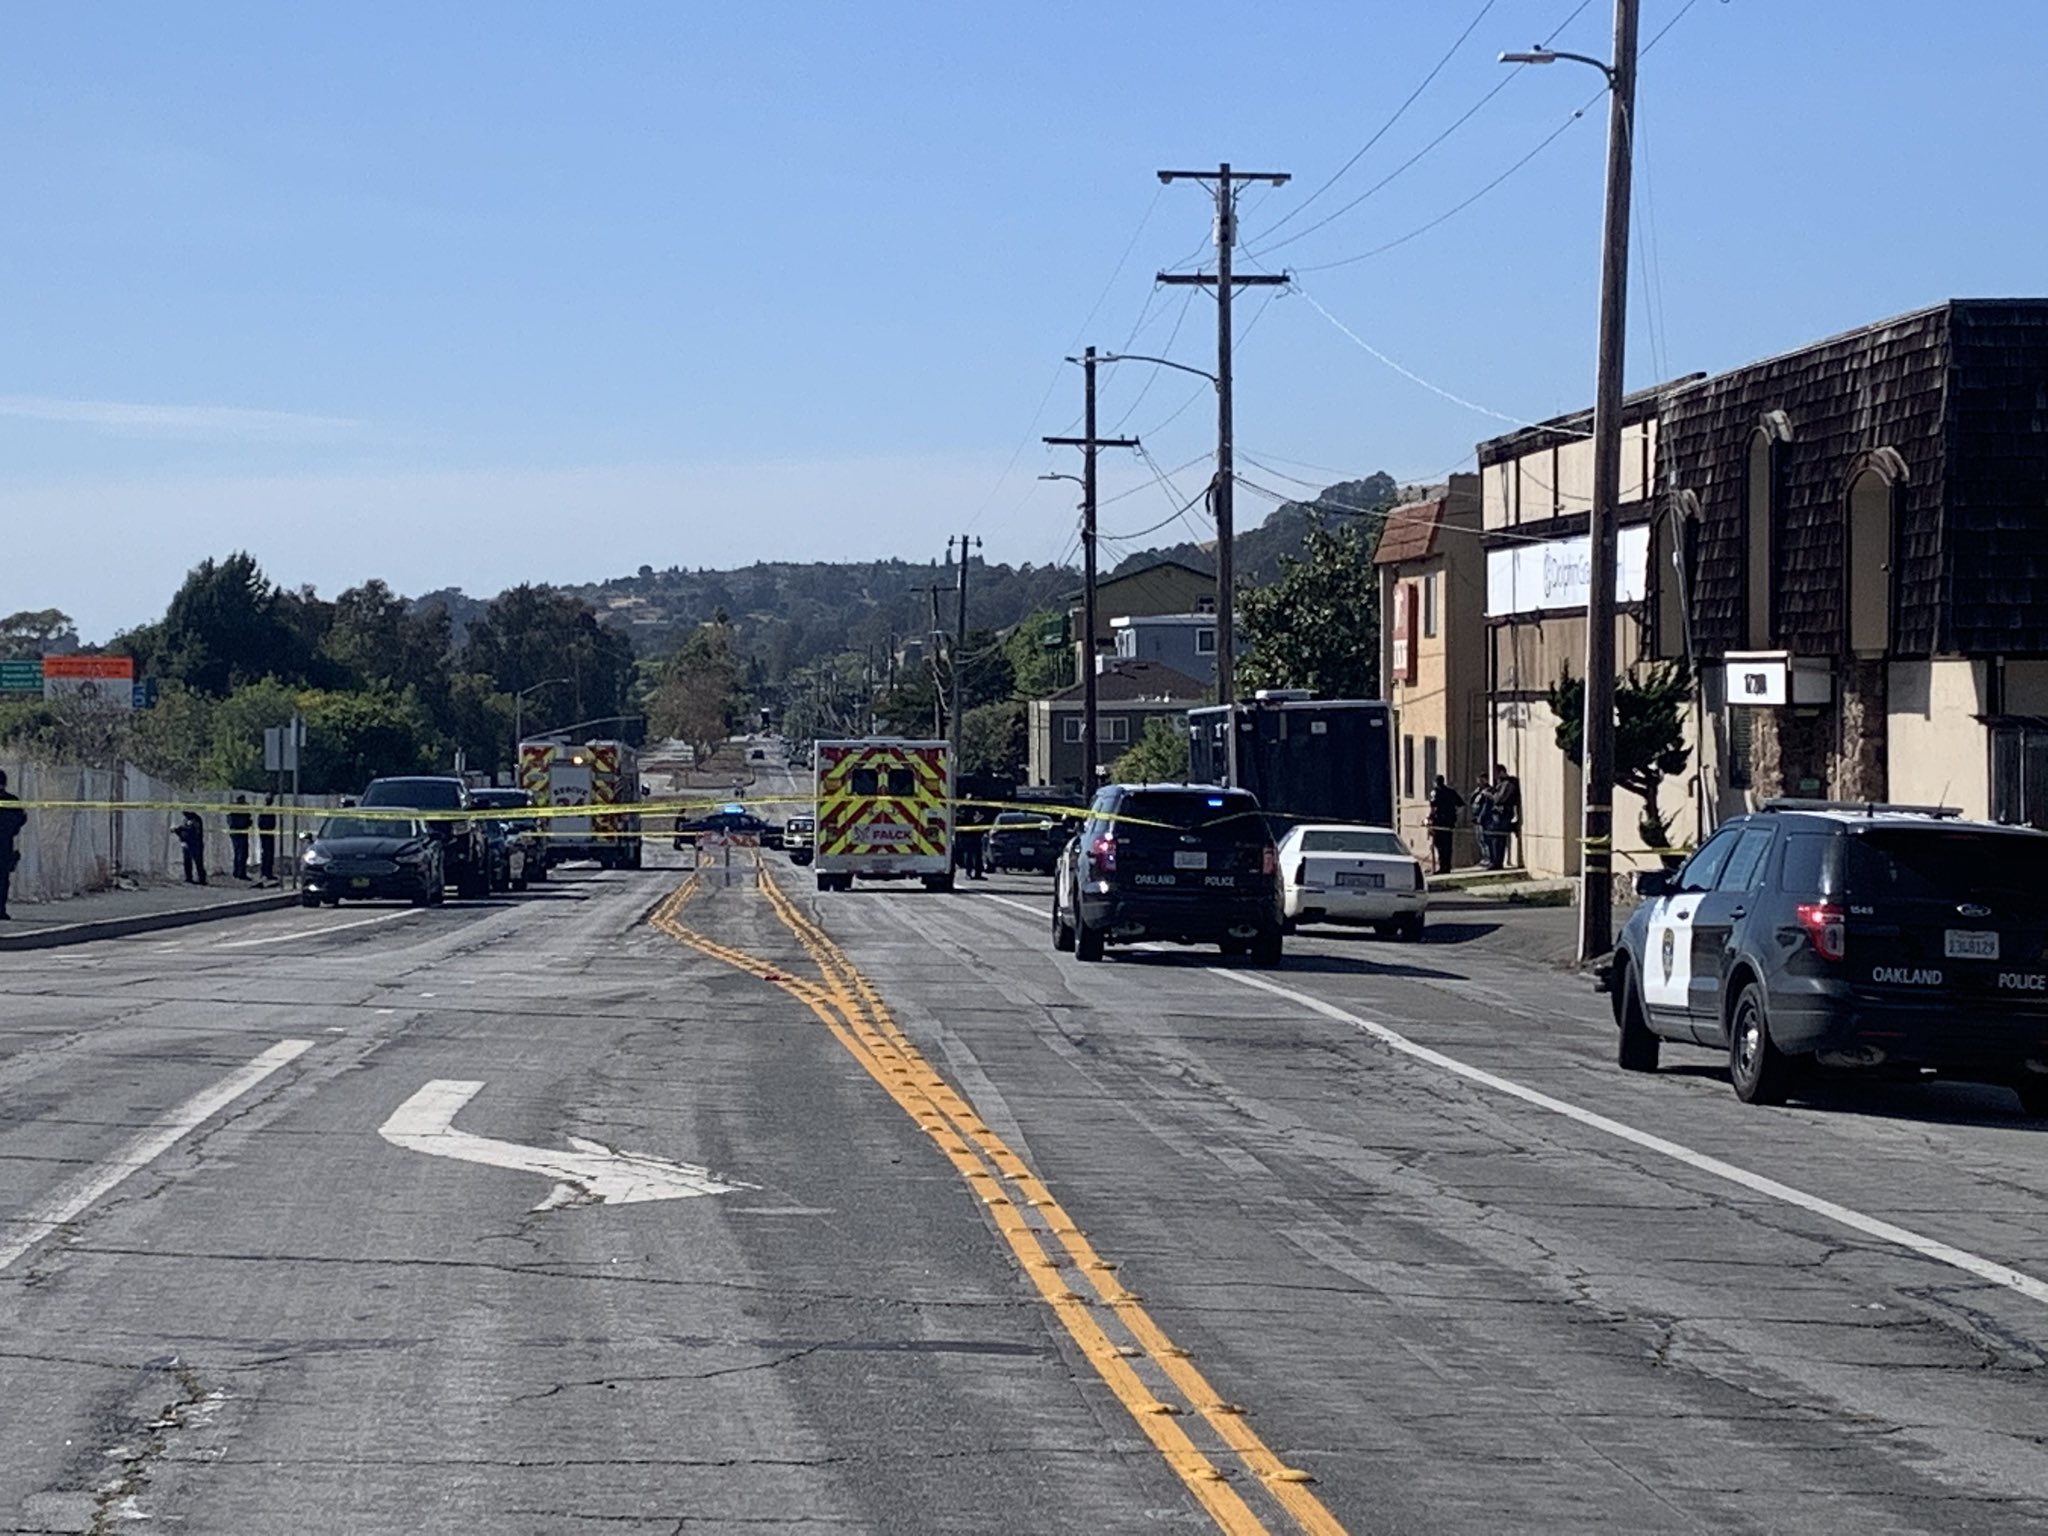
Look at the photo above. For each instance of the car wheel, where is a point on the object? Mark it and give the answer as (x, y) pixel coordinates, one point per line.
(1062, 933)
(1639, 1046)
(1234, 947)
(1759, 1071)
(332, 901)
(1411, 928)
(308, 899)
(1289, 925)
(2033, 1092)
(1087, 941)
(1266, 948)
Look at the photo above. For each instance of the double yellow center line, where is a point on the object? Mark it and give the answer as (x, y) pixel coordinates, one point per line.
(1231, 1469)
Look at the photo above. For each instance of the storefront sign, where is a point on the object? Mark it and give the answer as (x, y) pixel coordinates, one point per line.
(1558, 574)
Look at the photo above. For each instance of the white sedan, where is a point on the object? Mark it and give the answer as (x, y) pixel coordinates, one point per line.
(1337, 873)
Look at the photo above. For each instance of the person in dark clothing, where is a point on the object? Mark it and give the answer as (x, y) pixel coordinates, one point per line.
(12, 819)
(266, 839)
(1482, 822)
(968, 837)
(238, 836)
(1507, 812)
(1444, 805)
(191, 835)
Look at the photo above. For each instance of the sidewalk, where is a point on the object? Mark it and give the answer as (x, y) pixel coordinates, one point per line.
(112, 914)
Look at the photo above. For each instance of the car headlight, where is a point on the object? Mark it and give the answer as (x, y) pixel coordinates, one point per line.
(315, 858)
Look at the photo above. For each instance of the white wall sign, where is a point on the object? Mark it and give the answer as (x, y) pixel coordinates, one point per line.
(1756, 680)
(1535, 578)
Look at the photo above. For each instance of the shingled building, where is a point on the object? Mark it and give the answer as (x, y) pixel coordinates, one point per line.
(1866, 528)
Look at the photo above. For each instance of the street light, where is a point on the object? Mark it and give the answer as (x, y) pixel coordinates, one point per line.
(1596, 842)
(519, 716)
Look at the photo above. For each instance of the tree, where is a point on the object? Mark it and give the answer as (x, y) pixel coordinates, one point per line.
(227, 626)
(992, 740)
(700, 697)
(33, 632)
(1649, 733)
(1317, 625)
(534, 634)
(1158, 756)
(1040, 668)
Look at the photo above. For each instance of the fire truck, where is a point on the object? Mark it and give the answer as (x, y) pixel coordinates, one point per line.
(884, 812)
(586, 786)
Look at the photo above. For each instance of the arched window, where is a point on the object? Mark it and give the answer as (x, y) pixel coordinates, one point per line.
(1870, 563)
(1759, 518)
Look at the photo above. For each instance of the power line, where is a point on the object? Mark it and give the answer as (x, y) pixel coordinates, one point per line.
(1416, 378)
(1380, 133)
(1542, 144)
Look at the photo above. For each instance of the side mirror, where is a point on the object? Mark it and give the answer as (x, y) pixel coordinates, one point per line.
(1653, 882)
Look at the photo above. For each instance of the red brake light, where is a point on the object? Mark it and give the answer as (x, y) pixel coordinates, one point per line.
(1102, 853)
(1269, 859)
(1301, 873)
(1825, 924)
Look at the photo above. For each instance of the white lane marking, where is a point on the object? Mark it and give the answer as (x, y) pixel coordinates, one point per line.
(318, 933)
(1870, 1226)
(593, 1172)
(45, 1217)
(1019, 905)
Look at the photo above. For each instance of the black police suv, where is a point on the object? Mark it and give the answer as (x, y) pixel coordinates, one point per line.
(365, 858)
(1893, 938)
(465, 855)
(1183, 863)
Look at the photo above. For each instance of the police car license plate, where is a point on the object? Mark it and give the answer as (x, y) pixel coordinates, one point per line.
(1970, 944)
(1357, 877)
(1185, 860)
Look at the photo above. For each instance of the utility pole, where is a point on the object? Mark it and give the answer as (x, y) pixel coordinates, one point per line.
(1222, 498)
(1088, 443)
(931, 640)
(959, 651)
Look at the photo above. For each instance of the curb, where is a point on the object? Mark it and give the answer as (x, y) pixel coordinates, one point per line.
(143, 922)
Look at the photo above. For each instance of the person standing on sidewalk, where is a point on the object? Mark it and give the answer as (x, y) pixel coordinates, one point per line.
(238, 836)
(191, 836)
(1444, 805)
(266, 840)
(1507, 812)
(12, 819)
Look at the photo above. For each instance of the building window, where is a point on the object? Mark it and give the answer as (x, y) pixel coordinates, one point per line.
(1116, 729)
(2019, 774)
(1429, 763)
(1429, 603)
(1205, 642)
(1741, 746)
(1870, 564)
(1070, 728)
(1759, 516)
(1408, 767)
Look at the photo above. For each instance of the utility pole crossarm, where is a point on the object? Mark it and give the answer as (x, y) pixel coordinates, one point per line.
(1209, 279)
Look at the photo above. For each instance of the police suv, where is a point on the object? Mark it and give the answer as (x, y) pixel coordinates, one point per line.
(1813, 933)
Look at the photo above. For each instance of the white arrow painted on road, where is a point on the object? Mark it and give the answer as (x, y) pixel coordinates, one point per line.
(592, 1173)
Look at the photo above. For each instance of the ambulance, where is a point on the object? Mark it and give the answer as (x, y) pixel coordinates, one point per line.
(884, 812)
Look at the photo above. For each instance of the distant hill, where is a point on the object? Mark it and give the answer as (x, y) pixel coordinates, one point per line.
(789, 614)
(1261, 548)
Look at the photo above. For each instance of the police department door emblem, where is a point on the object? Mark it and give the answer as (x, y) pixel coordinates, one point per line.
(1670, 951)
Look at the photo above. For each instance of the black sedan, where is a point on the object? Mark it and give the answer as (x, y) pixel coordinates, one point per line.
(368, 858)
(1021, 840)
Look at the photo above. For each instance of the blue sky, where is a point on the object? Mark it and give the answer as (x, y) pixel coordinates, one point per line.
(468, 295)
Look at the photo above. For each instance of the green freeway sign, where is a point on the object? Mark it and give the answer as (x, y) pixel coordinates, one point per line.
(21, 676)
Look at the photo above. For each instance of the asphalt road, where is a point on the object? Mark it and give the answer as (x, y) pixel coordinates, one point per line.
(1377, 1241)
